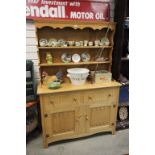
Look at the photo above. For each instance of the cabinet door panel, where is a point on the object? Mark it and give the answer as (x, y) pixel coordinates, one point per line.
(99, 118)
(61, 124)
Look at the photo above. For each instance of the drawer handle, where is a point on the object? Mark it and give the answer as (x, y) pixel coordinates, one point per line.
(90, 98)
(109, 95)
(51, 102)
(47, 135)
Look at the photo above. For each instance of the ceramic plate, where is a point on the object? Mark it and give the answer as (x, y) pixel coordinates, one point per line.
(66, 58)
(43, 42)
(105, 41)
(61, 42)
(52, 42)
(76, 57)
(85, 57)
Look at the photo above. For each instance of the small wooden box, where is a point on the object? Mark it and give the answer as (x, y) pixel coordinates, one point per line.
(102, 76)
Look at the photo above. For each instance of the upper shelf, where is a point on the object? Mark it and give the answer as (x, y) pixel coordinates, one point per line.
(75, 47)
(75, 25)
(72, 63)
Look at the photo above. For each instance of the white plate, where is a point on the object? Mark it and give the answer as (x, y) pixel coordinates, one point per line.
(76, 58)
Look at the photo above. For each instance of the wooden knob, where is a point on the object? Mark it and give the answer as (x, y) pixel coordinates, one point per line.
(47, 135)
(46, 115)
(112, 124)
(51, 102)
(109, 95)
(114, 105)
(90, 98)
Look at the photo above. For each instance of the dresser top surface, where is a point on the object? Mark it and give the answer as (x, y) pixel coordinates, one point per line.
(67, 87)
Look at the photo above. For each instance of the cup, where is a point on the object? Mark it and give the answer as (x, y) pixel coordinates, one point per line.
(77, 43)
(85, 42)
(81, 43)
(101, 44)
(71, 43)
(90, 43)
(97, 42)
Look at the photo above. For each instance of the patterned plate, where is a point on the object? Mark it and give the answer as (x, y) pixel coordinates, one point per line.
(85, 57)
(66, 58)
(43, 42)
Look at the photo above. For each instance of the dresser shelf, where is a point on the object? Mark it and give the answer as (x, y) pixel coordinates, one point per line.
(74, 64)
(76, 47)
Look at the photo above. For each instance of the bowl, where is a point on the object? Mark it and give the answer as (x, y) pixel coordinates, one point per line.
(78, 76)
(54, 85)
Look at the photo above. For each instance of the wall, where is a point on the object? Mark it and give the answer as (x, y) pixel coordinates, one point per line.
(31, 49)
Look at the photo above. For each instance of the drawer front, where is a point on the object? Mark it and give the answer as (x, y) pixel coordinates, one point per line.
(105, 96)
(61, 101)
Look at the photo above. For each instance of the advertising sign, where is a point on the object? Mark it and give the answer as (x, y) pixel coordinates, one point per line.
(67, 10)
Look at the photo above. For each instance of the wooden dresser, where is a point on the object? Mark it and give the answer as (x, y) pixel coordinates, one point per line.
(76, 111)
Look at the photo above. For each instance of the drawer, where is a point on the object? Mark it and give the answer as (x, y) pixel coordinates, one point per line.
(61, 101)
(100, 96)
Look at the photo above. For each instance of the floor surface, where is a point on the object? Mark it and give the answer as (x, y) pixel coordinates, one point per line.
(100, 144)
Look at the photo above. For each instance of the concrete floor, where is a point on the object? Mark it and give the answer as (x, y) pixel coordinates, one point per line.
(100, 144)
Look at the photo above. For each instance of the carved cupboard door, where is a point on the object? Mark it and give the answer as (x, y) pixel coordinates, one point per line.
(99, 111)
(99, 118)
(61, 124)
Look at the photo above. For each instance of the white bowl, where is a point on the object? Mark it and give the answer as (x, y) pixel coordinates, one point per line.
(78, 76)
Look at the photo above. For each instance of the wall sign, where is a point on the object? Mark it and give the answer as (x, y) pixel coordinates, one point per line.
(67, 10)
